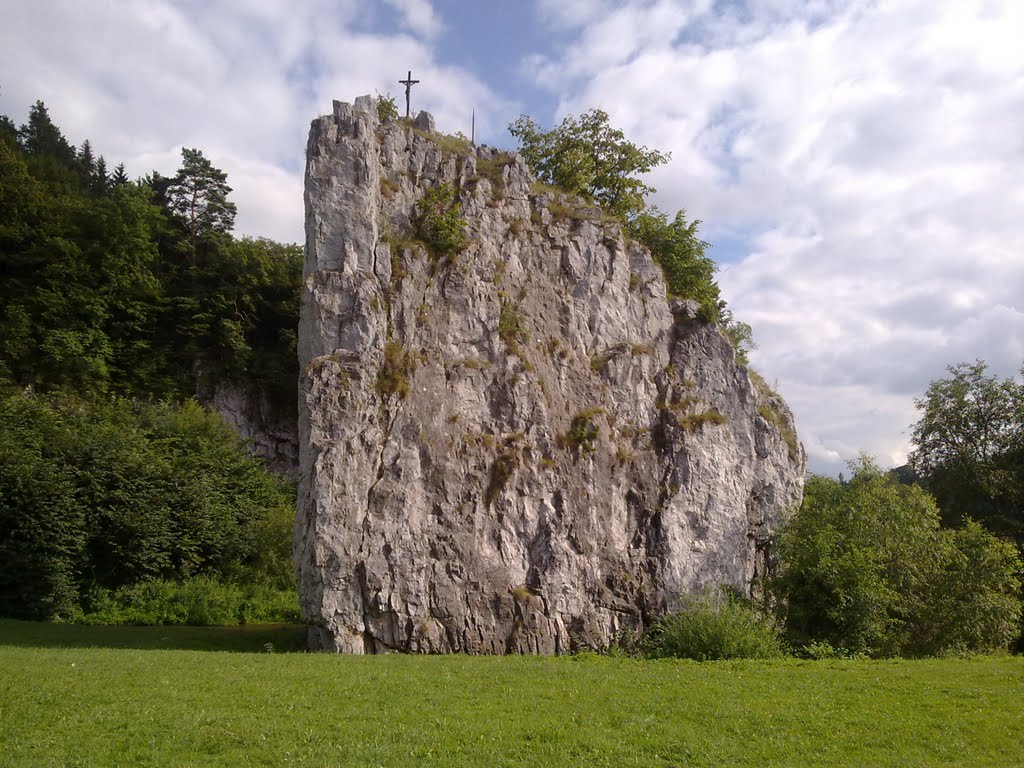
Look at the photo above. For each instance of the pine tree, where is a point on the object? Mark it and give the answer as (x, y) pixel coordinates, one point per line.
(198, 198)
(120, 177)
(100, 178)
(41, 137)
(86, 160)
(8, 130)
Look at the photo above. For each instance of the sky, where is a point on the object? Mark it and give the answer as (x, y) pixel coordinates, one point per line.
(858, 167)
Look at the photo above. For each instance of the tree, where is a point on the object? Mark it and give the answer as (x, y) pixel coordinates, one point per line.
(198, 197)
(78, 287)
(740, 334)
(41, 137)
(589, 157)
(867, 568)
(49, 155)
(100, 181)
(689, 271)
(103, 494)
(120, 177)
(8, 131)
(969, 447)
(87, 160)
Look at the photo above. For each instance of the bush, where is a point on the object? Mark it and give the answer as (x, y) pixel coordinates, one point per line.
(512, 328)
(583, 432)
(689, 272)
(201, 601)
(42, 519)
(440, 223)
(867, 569)
(713, 625)
(395, 370)
(387, 110)
(100, 496)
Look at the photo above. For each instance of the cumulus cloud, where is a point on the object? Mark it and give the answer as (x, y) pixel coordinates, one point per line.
(239, 80)
(418, 16)
(865, 154)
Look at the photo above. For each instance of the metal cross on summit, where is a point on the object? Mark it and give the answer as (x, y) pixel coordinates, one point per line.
(408, 83)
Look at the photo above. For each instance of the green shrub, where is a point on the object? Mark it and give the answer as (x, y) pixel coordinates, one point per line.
(689, 272)
(867, 569)
(512, 328)
(583, 432)
(201, 601)
(387, 110)
(395, 370)
(99, 496)
(42, 519)
(695, 422)
(502, 470)
(712, 625)
(440, 223)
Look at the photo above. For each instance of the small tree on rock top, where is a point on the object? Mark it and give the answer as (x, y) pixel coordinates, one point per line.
(589, 157)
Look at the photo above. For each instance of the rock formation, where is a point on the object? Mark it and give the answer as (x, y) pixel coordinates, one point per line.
(269, 430)
(524, 447)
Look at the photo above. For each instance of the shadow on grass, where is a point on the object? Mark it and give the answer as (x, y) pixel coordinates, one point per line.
(246, 638)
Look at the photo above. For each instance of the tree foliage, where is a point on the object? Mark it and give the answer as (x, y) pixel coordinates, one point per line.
(387, 109)
(713, 625)
(111, 285)
(969, 447)
(866, 568)
(440, 222)
(113, 294)
(588, 157)
(676, 247)
(197, 196)
(99, 495)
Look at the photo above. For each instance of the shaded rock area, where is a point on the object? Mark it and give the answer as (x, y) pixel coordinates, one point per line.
(524, 448)
(269, 430)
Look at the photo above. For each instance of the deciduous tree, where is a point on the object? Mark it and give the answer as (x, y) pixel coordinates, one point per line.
(867, 568)
(969, 447)
(586, 155)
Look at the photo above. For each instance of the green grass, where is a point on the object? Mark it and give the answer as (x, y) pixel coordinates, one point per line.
(244, 638)
(63, 704)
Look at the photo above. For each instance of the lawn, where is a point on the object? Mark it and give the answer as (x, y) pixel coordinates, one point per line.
(99, 696)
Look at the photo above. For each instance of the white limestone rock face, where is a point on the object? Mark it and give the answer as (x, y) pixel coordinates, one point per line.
(523, 449)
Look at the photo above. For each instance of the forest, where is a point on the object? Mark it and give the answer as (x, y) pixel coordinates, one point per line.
(121, 498)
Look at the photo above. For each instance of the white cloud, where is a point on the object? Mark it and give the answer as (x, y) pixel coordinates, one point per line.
(418, 16)
(239, 80)
(871, 155)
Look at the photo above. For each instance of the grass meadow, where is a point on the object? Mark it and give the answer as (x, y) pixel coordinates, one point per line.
(184, 696)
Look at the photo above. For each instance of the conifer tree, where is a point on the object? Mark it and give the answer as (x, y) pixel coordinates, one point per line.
(120, 177)
(198, 197)
(86, 160)
(8, 130)
(100, 178)
(39, 136)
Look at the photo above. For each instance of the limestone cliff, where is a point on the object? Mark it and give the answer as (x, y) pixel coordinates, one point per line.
(269, 430)
(525, 448)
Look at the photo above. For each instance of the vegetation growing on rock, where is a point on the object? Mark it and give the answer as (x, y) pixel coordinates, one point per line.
(440, 223)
